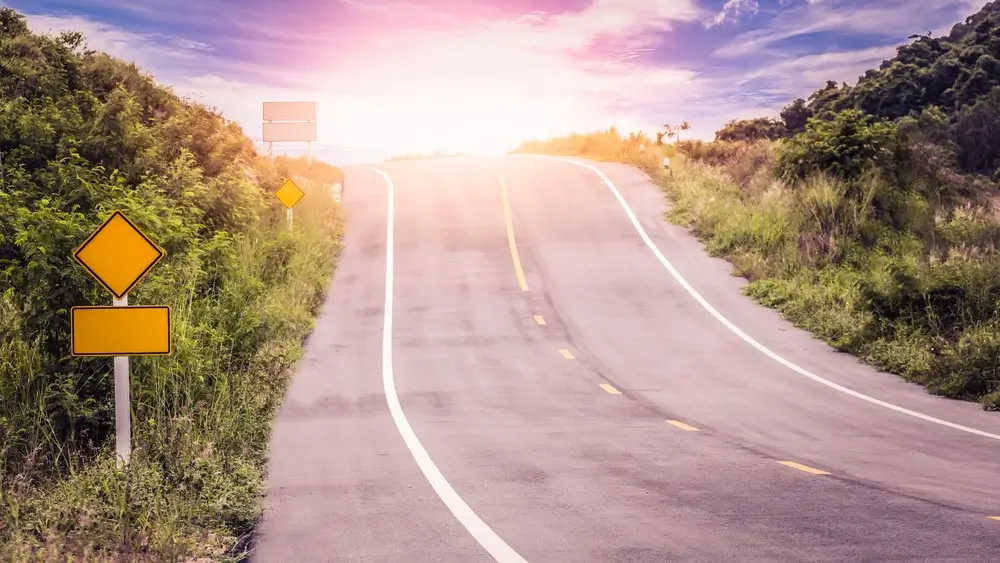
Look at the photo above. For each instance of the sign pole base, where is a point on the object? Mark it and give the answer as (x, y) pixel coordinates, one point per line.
(123, 410)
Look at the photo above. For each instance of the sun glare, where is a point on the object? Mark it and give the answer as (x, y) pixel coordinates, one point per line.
(433, 100)
(476, 123)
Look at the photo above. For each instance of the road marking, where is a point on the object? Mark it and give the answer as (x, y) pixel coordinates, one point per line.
(746, 337)
(539, 320)
(994, 517)
(566, 354)
(509, 221)
(805, 468)
(682, 426)
(486, 537)
(610, 389)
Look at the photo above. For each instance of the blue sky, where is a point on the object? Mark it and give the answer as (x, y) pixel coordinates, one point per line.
(395, 76)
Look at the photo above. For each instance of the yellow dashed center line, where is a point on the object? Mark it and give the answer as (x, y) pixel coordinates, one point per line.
(805, 468)
(514, 255)
(997, 518)
(539, 320)
(610, 389)
(566, 354)
(682, 426)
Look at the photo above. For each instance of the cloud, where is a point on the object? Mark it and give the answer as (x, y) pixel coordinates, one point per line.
(147, 50)
(407, 75)
(732, 10)
(811, 71)
(890, 19)
(792, 56)
(496, 80)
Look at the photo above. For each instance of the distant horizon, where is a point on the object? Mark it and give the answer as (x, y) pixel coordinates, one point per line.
(367, 155)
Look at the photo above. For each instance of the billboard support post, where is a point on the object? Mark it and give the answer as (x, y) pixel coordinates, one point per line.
(290, 122)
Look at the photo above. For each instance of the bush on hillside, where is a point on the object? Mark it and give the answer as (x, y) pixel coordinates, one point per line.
(977, 134)
(758, 129)
(844, 147)
(83, 134)
(748, 164)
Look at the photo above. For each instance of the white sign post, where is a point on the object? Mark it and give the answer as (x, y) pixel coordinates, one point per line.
(290, 122)
(123, 403)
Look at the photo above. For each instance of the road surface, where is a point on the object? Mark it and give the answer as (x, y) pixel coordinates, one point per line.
(507, 370)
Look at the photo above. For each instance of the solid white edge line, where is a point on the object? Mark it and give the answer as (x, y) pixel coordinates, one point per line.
(746, 337)
(486, 537)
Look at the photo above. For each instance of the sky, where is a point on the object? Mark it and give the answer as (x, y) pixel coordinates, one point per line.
(400, 76)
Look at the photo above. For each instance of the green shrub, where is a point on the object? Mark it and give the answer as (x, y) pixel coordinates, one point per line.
(83, 134)
(844, 147)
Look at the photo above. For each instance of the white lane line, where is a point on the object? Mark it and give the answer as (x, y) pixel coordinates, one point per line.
(746, 337)
(486, 537)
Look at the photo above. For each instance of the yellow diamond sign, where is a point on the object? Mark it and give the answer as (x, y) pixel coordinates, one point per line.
(289, 193)
(118, 255)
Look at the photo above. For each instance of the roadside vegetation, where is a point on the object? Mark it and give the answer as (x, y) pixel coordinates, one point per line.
(867, 213)
(83, 134)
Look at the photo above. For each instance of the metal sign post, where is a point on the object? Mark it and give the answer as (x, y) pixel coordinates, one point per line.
(123, 402)
(289, 194)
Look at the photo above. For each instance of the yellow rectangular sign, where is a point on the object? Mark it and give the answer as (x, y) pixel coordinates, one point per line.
(120, 331)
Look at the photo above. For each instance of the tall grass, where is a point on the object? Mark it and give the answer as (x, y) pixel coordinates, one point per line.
(201, 417)
(636, 149)
(920, 299)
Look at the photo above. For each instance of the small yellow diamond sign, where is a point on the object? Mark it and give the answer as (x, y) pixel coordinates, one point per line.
(118, 255)
(289, 193)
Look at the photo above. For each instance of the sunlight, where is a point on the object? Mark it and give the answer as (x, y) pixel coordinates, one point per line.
(477, 122)
(459, 100)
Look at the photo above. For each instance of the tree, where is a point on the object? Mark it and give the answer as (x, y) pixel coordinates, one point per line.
(672, 131)
(757, 129)
(951, 72)
(795, 116)
(684, 126)
(977, 133)
(668, 131)
(12, 23)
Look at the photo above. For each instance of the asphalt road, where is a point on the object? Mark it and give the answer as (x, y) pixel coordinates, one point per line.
(565, 394)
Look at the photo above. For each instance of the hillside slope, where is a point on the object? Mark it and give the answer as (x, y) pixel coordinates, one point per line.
(83, 134)
(867, 214)
(950, 72)
(957, 76)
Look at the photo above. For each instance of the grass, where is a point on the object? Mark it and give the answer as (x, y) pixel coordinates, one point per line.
(607, 146)
(920, 302)
(242, 305)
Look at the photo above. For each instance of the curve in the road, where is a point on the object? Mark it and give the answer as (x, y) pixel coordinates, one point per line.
(487, 538)
(739, 332)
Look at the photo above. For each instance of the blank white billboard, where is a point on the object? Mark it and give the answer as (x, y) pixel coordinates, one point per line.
(289, 132)
(289, 111)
